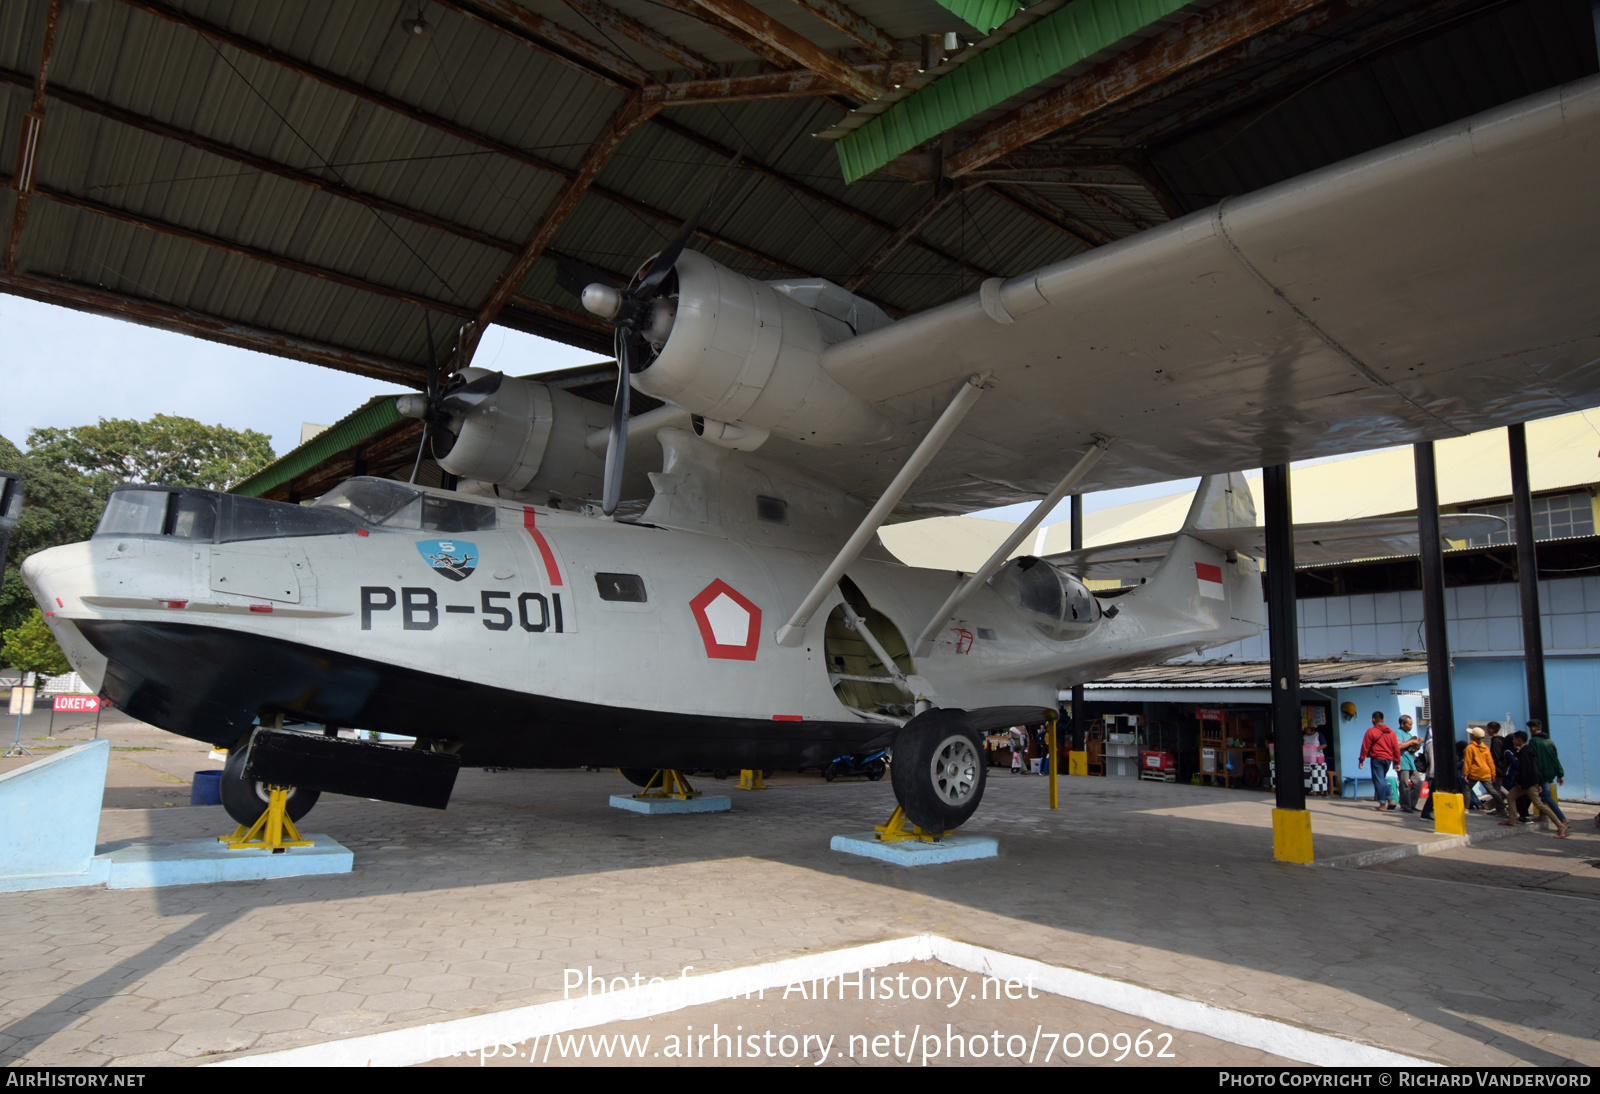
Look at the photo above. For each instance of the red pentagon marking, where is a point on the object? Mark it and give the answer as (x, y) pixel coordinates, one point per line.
(730, 624)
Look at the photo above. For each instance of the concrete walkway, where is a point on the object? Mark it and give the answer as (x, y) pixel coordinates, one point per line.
(1482, 955)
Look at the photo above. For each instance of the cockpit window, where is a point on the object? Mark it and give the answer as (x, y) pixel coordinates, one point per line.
(134, 513)
(395, 505)
(370, 499)
(206, 516)
(434, 514)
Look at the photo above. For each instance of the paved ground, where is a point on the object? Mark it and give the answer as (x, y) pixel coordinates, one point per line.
(864, 1032)
(1484, 955)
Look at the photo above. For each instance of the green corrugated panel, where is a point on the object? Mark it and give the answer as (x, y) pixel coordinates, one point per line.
(1033, 54)
(983, 14)
(379, 413)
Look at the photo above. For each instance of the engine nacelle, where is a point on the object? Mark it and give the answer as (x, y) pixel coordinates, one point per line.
(747, 352)
(528, 436)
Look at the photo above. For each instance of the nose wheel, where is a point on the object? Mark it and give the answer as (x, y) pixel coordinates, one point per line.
(247, 800)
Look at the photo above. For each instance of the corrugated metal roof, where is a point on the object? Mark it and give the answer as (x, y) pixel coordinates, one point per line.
(375, 414)
(1561, 456)
(1334, 672)
(168, 151)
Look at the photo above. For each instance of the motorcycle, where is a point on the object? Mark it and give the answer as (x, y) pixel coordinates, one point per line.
(874, 765)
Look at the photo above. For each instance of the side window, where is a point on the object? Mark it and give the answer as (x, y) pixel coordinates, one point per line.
(624, 588)
(192, 517)
(449, 515)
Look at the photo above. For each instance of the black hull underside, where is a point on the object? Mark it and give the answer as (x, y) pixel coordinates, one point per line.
(209, 683)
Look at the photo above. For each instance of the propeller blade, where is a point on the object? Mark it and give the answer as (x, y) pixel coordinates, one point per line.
(575, 275)
(617, 440)
(669, 254)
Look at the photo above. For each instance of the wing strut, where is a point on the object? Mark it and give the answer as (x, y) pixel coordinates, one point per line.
(924, 643)
(792, 633)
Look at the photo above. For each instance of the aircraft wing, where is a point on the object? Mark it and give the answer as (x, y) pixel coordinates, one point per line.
(1436, 287)
(1335, 541)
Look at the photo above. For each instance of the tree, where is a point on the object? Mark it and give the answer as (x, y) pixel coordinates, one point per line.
(166, 449)
(68, 474)
(32, 648)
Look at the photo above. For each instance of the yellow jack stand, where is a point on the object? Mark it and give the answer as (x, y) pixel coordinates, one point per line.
(750, 779)
(898, 829)
(269, 830)
(668, 783)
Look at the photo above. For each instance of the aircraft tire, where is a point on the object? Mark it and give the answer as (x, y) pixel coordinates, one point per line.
(246, 799)
(938, 771)
(638, 776)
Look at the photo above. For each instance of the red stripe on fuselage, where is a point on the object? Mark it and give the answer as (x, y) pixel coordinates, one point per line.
(1207, 572)
(544, 546)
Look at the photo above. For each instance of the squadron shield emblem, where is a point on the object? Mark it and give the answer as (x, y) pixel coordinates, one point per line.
(454, 558)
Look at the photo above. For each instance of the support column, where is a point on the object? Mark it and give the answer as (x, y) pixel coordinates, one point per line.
(1446, 800)
(1527, 574)
(1079, 723)
(1291, 821)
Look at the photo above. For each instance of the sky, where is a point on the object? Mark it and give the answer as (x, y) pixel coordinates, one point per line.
(60, 367)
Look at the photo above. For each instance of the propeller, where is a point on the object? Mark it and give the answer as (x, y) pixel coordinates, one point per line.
(640, 315)
(442, 404)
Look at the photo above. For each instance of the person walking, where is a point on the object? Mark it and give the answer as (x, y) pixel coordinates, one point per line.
(1381, 746)
(1551, 775)
(1410, 781)
(1500, 752)
(1477, 766)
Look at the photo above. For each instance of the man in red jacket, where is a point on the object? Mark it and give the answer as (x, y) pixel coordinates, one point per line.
(1383, 747)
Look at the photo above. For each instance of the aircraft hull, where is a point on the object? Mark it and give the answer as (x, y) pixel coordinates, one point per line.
(208, 682)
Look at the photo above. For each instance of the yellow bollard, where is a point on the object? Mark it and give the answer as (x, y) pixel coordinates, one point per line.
(750, 779)
(1291, 835)
(1077, 763)
(1450, 814)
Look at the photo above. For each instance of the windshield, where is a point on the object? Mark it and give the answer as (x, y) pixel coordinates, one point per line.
(395, 505)
(370, 499)
(188, 513)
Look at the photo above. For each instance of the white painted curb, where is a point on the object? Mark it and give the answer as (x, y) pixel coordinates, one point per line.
(419, 1044)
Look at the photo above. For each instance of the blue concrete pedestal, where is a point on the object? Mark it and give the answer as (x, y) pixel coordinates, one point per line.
(709, 803)
(956, 848)
(49, 815)
(151, 864)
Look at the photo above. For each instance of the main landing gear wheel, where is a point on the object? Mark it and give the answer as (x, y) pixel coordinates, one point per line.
(938, 770)
(246, 799)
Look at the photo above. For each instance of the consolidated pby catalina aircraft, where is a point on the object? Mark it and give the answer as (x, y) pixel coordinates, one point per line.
(580, 599)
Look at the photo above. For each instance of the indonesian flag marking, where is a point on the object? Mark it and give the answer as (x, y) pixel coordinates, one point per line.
(1210, 578)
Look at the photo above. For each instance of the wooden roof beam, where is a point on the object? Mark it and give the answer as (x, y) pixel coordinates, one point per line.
(460, 132)
(1333, 50)
(943, 195)
(178, 231)
(790, 84)
(798, 48)
(628, 117)
(28, 138)
(809, 191)
(1168, 54)
(852, 25)
(98, 107)
(54, 290)
(1048, 212)
(550, 38)
(729, 31)
(648, 37)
